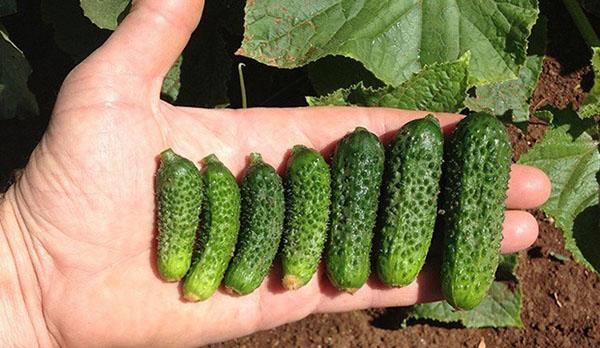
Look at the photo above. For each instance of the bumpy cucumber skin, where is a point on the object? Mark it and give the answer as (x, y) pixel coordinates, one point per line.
(409, 209)
(356, 176)
(218, 233)
(261, 227)
(179, 197)
(476, 181)
(308, 196)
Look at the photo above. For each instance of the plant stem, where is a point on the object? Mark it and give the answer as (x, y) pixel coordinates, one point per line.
(582, 23)
(242, 86)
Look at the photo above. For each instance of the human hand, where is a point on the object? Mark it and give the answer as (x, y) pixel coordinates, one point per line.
(80, 222)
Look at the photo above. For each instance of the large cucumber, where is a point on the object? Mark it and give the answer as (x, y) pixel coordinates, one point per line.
(476, 181)
(356, 173)
(218, 233)
(308, 190)
(409, 205)
(261, 227)
(179, 197)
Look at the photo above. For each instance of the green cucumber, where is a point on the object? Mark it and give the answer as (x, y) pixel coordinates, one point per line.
(356, 175)
(261, 227)
(179, 197)
(218, 234)
(409, 205)
(476, 181)
(308, 190)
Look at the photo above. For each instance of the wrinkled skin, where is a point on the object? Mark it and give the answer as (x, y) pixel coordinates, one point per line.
(80, 222)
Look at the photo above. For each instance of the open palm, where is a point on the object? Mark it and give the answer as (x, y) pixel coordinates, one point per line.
(86, 199)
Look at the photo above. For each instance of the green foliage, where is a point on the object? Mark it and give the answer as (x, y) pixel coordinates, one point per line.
(105, 14)
(172, 83)
(500, 308)
(570, 158)
(15, 98)
(405, 36)
(511, 98)
(591, 105)
(439, 87)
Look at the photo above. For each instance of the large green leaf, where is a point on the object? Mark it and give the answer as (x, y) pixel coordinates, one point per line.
(106, 14)
(16, 100)
(393, 39)
(500, 308)
(437, 88)
(511, 96)
(570, 158)
(591, 105)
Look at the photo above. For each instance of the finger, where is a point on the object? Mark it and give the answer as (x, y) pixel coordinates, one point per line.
(151, 37)
(520, 230)
(374, 294)
(528, 187)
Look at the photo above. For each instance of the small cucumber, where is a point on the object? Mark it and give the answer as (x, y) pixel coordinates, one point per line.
(409, 209)
(308, 190)
(261, 227)
(476, 181)
(218, 234)
(356, 175)
(179, 197)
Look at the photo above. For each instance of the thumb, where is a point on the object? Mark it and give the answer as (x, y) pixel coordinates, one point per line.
(151, 37)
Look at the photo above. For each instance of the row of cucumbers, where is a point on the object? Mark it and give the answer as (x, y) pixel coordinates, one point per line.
(341, 205)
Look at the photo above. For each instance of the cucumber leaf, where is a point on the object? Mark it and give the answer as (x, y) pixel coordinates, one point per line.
(511, 98)
(393, 39)
(172, 82)
(16, 100)
(569, 156)
(106, 14)
(500, 308)
(437, 88)
(591, 105)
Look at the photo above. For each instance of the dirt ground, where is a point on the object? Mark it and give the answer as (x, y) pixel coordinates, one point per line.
(561, 299)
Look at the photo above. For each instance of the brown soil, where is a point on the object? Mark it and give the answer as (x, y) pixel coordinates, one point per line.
(561, 300)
